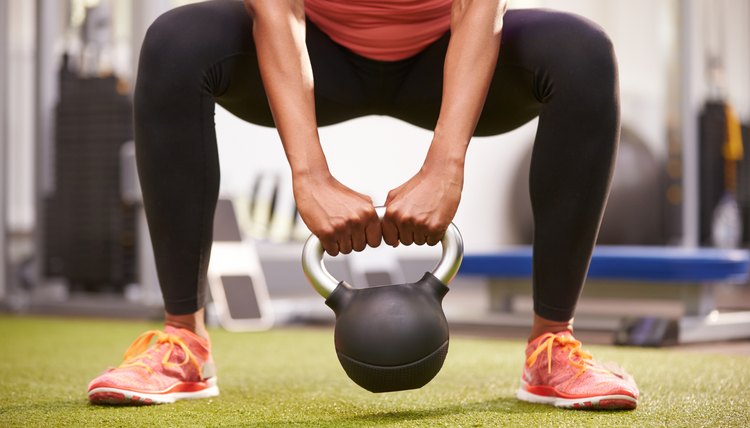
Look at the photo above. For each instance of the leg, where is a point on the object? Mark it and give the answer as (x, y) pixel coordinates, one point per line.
(191, 58)
(571, 68)
(571, 167)
(573, 71)
(181, 75)
(561, 68)
(182, 68)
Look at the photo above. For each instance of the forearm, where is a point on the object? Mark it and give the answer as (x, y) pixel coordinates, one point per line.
(279, 34)
(469, 66)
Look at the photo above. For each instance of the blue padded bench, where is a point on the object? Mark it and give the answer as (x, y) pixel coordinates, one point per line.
(661, 273)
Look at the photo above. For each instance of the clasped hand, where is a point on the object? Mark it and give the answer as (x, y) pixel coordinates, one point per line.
(417, 212)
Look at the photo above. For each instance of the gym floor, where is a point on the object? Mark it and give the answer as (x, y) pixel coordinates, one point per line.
(290, 377)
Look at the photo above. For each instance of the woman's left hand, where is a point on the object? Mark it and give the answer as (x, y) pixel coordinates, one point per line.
(420, 210)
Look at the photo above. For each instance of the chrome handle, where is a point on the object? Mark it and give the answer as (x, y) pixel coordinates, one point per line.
(324, 283)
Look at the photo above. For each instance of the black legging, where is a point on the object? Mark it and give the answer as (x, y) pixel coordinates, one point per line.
(554, 65)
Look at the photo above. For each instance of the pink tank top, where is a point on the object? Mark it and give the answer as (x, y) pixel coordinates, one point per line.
(385, 30)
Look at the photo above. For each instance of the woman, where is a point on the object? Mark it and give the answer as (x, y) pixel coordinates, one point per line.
(437, 64)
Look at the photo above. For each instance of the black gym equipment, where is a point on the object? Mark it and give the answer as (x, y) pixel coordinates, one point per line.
(648, 331)
(635, 208)
(392, 337)
(713, 183)
(89, 237)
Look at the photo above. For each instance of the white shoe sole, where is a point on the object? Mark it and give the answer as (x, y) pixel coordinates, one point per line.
(108, 395)
(612, 402)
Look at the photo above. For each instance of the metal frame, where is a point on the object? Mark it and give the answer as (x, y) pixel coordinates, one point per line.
(700, 322)
(690, 99)
(48, 14)
(238, 258)
(3, 145)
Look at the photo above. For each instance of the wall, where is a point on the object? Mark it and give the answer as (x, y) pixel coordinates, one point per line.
(394, 150)
(375, 154)
(3, 143)
(20, 114)
(246, 149)
(643, 34)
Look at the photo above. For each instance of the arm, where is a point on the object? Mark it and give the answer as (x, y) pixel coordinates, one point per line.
(420, 210)
(341, 218)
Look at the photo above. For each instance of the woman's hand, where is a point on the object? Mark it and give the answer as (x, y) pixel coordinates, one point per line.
(343, 220)
(420, 210)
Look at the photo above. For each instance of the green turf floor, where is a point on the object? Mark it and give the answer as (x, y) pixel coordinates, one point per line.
(292, 378)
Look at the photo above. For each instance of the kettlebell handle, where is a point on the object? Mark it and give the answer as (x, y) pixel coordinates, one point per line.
(324, 283)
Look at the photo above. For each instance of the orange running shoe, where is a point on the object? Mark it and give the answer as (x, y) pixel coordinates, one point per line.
(177, 366)
(559, 372)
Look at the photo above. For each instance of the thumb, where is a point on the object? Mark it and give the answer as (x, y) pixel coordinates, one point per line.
(393, 194)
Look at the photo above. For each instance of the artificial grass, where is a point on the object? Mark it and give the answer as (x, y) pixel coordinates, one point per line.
(290, 377)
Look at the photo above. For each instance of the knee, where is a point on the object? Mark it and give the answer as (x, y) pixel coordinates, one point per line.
(166, 66)
(191, 37)
(597, 49)
(581, 60)
(163, 37)
(583, 47)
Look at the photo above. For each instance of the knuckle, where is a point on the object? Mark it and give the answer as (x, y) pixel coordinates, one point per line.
(436, 227)
(358, 218)
(326, 233)
(337, 223)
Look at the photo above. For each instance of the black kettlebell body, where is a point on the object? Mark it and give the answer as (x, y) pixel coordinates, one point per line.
(393, 337)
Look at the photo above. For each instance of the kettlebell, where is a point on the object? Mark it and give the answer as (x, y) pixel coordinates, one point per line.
(392, 337)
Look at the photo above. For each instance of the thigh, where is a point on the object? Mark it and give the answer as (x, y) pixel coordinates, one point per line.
(208, 48)
(199, 51)
(538, 47)
(339, 93)
(550, 63)
(510, 99)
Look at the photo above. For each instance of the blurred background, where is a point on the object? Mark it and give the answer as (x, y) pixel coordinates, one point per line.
(73, 235)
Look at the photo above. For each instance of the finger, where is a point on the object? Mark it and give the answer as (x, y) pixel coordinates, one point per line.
(372, 230)
(331, 247)
(390, 232)
(391, 196)
(406, 233)
(419, 238)
(345, 243)
(434, 238)
(359, 240)
(420, 234)
(374, 233)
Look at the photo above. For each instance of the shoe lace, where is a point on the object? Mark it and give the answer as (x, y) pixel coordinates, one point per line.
(139, 351)
(577, 357)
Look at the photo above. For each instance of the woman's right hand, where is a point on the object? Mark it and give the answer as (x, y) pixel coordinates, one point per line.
(343, 220)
